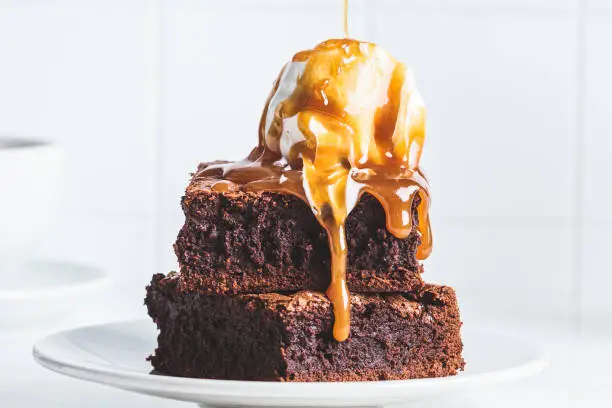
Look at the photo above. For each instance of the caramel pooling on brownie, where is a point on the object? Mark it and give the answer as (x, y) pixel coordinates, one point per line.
(343, 118)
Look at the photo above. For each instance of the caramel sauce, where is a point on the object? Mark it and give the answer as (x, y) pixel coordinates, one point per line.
(352, 123)
(345, 20)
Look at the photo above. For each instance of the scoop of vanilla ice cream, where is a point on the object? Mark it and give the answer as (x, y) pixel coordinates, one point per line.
(346, 100)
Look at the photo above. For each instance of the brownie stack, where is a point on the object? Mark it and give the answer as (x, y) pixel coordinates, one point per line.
(248, 303)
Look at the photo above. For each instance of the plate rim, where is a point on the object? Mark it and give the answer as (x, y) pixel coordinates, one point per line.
(145, 383)
(97, 278)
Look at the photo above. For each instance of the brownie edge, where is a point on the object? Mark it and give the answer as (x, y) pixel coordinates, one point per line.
(277, 337)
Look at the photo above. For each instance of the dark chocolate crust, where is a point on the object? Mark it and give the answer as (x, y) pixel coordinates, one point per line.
(257, 242)
(276, 337)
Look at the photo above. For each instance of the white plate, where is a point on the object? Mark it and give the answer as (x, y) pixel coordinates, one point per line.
(114, 354)
(42, 288)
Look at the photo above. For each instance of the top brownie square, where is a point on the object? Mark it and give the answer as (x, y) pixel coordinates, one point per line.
(257, 242)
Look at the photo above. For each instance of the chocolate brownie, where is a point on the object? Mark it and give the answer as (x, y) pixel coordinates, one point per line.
(257, 242)
(276, 337)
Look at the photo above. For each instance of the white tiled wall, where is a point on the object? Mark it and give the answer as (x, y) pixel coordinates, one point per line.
(596, 166)
(518, 147)
(84, 74)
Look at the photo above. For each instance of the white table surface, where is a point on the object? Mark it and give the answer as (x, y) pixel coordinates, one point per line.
(579, 375)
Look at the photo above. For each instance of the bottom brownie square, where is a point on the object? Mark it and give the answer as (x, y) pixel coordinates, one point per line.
(276, 337)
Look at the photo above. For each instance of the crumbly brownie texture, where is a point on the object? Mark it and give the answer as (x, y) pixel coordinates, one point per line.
(244, 242)
(276, 337)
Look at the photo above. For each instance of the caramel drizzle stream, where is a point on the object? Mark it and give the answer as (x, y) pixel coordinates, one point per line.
(342, 157)
(345, 21)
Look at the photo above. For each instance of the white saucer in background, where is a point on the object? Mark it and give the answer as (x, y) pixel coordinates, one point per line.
(42, 289)
(114, 355)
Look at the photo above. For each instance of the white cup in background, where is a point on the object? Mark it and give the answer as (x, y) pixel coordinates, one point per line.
(30, 172)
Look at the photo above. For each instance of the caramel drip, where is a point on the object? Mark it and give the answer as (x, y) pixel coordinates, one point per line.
(345, 21)
(352, 123)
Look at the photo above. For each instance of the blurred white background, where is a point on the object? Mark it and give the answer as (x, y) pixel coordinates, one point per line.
(518, 150)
